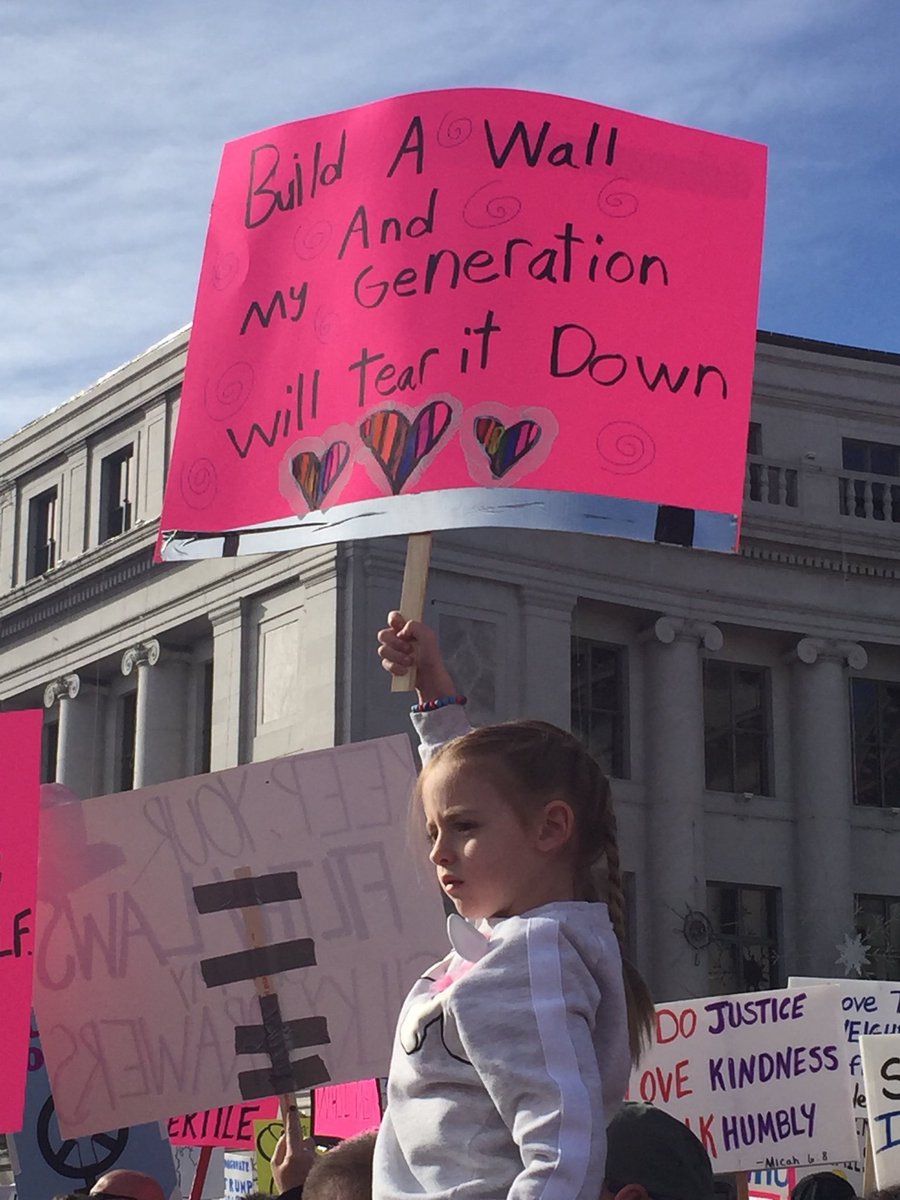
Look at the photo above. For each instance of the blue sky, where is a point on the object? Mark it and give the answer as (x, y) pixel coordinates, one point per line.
(113, 114)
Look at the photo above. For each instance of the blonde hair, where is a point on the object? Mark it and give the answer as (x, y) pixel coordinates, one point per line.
(531, 763)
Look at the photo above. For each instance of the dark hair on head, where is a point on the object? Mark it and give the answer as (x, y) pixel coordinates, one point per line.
(532, 763)
(344, 1173)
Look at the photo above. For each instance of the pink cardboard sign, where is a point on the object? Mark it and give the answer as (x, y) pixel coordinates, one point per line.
(20, 754)
(346, 1109)
(231, 1126)
(470, 307)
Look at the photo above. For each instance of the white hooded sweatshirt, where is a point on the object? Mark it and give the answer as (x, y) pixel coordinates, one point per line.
(510, 1058)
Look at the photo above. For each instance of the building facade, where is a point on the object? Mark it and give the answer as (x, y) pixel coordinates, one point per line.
(747, 706)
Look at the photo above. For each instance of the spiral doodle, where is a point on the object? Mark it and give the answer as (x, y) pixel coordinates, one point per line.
(199, 482)
(311, 240)
(488, 206)
(228, 268)
(326, 323)
(617, 203)
(454, 130)
(625, 448)
(223, 397)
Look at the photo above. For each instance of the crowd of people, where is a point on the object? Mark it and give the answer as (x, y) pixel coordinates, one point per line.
(512, 1054)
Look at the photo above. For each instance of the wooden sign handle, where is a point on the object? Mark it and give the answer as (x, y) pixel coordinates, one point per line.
(200, 1174)
(742, 1185)
(412, 595)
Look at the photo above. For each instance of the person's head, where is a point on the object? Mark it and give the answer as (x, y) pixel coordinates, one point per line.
(521, 815)
(127, 1185)
(824, 1185)
(651, 1156)
(344, 1173)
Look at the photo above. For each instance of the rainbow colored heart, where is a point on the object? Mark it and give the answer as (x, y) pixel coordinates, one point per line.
(316, 476)
(400, 445)
(506, 445)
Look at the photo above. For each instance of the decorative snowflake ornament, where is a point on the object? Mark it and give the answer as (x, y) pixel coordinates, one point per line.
(853, 954)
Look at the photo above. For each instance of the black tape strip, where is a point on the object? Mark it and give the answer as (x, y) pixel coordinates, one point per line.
(231, 545)
(305, 1073)
(273, 1031)
(674, 525)
(308, 1031)
(226, 894)
(264, 960)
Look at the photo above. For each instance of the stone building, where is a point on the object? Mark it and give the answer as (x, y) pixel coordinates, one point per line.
(747, 706)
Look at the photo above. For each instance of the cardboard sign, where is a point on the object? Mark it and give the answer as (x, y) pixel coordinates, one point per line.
(47, 1163)
(881, 1072)
(20, 755)
(230, 1127)
(760, 1078)
(144, 982)
(187, 1160)
(470, 307)
(346, 1109)
(777, 1183)
(267, 1134)
(240, 1174)
(869, 1007)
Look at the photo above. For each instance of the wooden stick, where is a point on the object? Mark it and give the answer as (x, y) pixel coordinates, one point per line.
(200, 1174)
(412, 595)
(742, 1185)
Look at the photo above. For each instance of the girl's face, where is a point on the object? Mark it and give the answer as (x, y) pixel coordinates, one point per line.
(488, 858)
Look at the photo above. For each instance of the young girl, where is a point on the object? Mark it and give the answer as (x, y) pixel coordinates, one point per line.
(513, 1053)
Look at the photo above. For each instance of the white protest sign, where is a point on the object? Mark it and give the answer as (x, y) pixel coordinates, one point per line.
(869, 1006)
(881, 1072)
(144, 983)
(239, 1173)
(760, 1078)
(777, 1183)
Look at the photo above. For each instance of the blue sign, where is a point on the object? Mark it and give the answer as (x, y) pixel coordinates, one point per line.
(48, 1163)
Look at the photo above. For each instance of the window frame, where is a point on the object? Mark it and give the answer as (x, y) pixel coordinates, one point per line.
(871, 971)
(772, 942)
(619, 766)
(766, 775)
(123, 456)
(880, 743)
(48, 500)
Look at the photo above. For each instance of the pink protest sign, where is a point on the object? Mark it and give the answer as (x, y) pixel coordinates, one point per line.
(470, 307)
(346, 1109)
(20, 754)
(231, 1126)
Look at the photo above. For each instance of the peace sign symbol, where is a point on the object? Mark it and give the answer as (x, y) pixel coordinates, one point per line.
(77, 1158)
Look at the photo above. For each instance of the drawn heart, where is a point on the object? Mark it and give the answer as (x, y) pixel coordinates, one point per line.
(398, 445)
(505, 445)
(316, 476)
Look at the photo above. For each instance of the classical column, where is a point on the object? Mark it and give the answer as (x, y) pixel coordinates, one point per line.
(823, 791)
(547, 655)
(159, 749)
(676, 780)
(79, 756)
(228, 685)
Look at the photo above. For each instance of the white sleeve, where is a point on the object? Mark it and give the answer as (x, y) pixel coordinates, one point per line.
(525, 1018)
(440, 726)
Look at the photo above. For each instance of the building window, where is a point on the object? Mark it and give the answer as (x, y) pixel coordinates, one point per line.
(126, 736)
(49, 750)
(599, 702)
(878, 921)
(875, 712)
(41, 534)
(736, 728)
(754, 438)
(116, 480)
(877, 499)
(743, 952)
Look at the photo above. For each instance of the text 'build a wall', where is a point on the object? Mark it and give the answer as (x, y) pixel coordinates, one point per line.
(760, 1078)
(144, 982)
(470, 307)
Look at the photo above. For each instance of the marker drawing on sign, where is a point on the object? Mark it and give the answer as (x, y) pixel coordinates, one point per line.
(274, 1036)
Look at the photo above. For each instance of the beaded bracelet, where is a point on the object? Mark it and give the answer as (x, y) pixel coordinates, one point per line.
(440, 702)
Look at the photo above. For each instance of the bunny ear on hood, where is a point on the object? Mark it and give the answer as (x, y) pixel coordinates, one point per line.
(65, 860)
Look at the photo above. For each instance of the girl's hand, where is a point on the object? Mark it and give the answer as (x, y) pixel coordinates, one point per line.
(406, 644)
